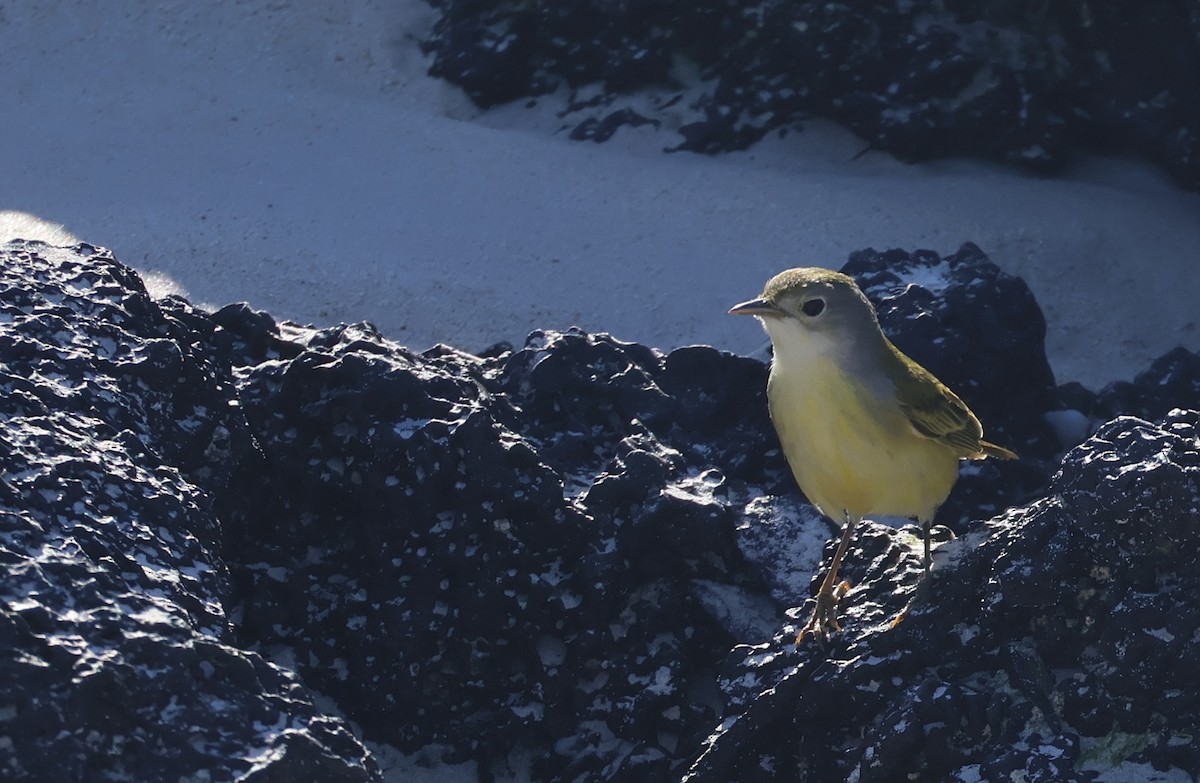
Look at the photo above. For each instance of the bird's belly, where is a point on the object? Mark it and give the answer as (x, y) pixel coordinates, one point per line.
(851, 453)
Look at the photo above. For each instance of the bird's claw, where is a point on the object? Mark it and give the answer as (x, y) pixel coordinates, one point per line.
(824, 616)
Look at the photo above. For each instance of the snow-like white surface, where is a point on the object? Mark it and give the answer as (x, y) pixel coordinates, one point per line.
(296, 156)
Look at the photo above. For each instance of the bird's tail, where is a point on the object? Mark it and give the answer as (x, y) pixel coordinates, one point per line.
(996, 452)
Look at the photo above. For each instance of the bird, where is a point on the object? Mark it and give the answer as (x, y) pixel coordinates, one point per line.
(865, 429)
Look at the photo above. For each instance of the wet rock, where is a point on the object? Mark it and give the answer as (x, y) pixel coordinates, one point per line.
(580, 547)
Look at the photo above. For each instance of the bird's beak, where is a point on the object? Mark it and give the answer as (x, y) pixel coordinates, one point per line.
(760, 307)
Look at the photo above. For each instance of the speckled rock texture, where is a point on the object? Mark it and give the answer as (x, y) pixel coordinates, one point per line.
(1020, 82)
(582, 549)
(1053, 639)
(116, 658)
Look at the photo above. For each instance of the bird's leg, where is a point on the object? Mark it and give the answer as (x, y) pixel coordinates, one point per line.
(926, 530)
(824, 618)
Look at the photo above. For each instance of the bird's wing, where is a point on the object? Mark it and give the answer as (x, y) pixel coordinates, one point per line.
(936, 412)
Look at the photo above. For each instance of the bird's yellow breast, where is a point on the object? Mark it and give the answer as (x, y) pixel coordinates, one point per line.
(850, 446)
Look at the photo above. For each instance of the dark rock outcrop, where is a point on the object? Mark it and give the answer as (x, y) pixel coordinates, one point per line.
(584, 548)
(1024, 83)
(1044, 637)
(1171, 381)
(116, 654)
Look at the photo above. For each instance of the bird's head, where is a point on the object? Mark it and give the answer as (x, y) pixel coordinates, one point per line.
(813, 311)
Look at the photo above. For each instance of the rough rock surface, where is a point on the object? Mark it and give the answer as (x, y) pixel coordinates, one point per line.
(116, 434)
(582, 547)
(1053, 638)
(1019, 82)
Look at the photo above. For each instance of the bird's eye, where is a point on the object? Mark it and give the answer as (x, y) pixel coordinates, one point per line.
(813, 307)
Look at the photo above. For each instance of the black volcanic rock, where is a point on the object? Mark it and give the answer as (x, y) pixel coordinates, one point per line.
(1025, 83)
(1043, 634)
(1171, 381)
(582, 548)
(116, 660)
(488, 553)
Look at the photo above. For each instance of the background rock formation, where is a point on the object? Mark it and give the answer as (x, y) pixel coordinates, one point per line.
(1024, 83)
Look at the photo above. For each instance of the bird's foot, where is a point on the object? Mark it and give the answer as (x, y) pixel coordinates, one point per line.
(824, 616)
(918, 594)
